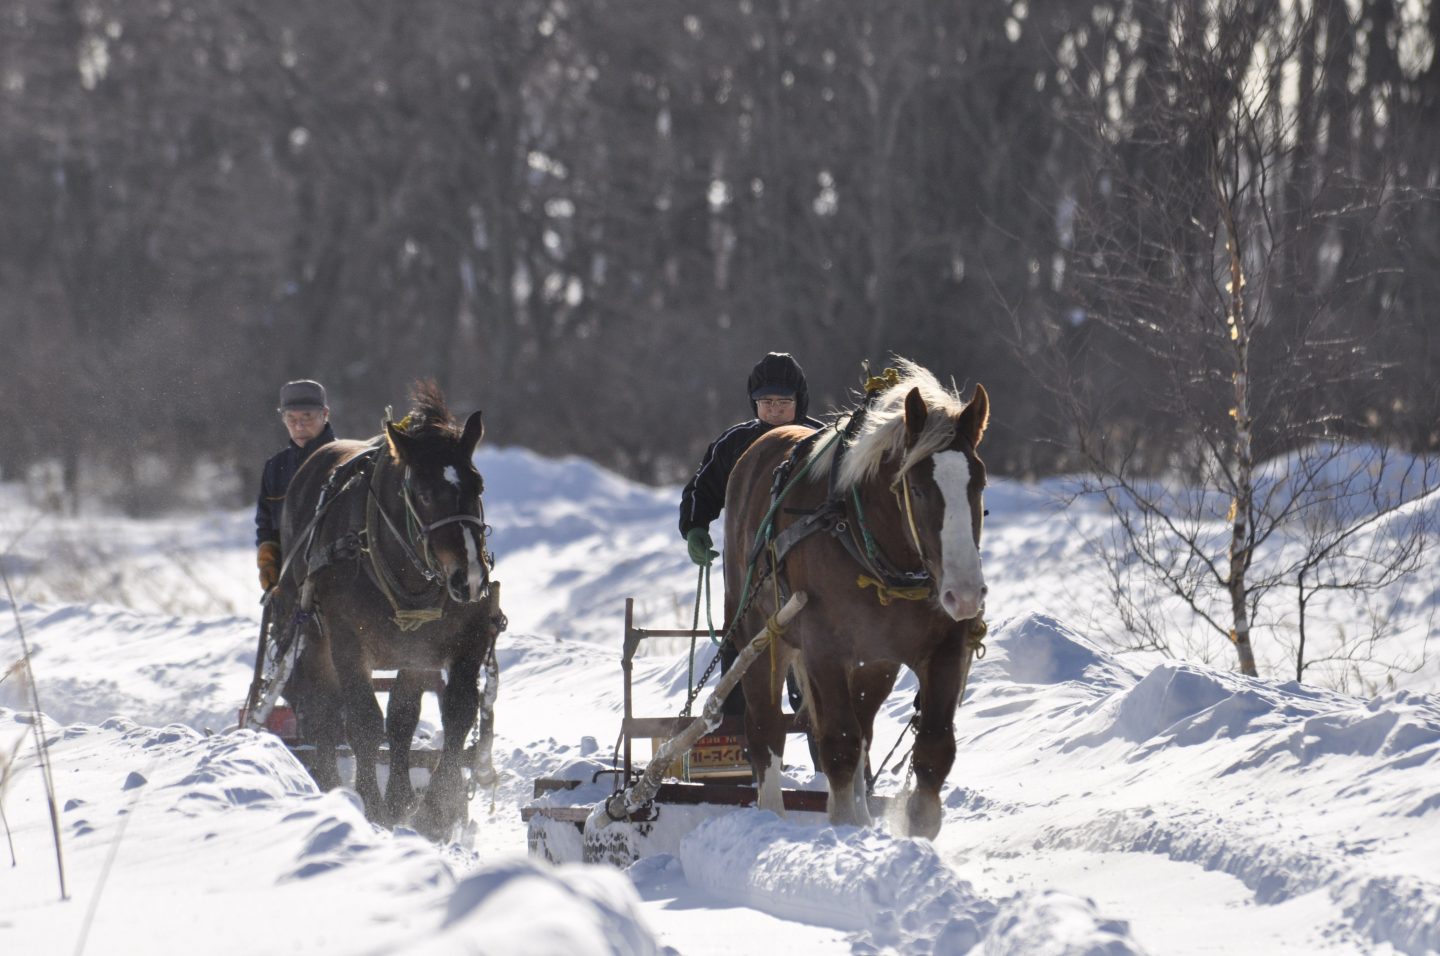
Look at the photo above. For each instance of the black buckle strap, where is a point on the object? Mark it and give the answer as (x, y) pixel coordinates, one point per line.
(347, 547)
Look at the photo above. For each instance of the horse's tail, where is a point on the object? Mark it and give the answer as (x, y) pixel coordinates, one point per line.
(802, 680)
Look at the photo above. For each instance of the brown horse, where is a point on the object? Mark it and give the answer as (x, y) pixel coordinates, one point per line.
(395, 575)
(893, 576)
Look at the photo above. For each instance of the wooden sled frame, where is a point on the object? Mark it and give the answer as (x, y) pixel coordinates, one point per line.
(639, 798)
(633, 727)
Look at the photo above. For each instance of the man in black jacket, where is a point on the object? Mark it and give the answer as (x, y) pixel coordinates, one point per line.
(306, 416)
(778, 396)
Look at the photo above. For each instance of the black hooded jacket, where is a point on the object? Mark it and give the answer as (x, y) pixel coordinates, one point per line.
(704, 496)
(275, 479)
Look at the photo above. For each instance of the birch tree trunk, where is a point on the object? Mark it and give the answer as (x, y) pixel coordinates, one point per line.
(1242, 504)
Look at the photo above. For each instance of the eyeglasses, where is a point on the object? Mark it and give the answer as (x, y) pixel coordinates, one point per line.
(775, 402)
(300, 418)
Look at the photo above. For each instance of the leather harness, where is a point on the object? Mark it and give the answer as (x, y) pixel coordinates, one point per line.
(832, 517)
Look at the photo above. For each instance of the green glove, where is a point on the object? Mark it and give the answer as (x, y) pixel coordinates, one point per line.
(702, 549)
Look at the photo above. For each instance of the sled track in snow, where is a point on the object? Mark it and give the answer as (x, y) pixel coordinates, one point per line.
(1399, 910)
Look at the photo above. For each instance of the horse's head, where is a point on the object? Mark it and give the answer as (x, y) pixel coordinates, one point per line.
(442, 491)
(941, 496)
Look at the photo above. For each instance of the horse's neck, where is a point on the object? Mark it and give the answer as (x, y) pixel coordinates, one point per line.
(386, 536)
(881, 516)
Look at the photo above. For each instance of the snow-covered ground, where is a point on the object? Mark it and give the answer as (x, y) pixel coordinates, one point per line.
(1100, 803)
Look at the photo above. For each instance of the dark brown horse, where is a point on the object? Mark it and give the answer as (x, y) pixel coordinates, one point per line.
(395, 576)
(903, 590)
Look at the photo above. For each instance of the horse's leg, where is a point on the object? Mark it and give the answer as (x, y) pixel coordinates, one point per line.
(402, 715)
(315, 694)
(841, 740)
(870, 685)
(364, 721)
(765, 727)
(444, 803)
(934, 753)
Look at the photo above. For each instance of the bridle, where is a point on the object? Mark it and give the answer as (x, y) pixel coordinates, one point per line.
(421, 531)
(903, 500)
(900, 488)
(418, 532)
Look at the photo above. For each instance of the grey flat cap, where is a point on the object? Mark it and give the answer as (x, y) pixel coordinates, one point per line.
(302, 394)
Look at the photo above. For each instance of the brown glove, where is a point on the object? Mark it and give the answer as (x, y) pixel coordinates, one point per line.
(267, 559)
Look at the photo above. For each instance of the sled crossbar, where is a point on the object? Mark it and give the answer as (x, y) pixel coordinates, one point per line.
(694, 794)
(632, 727)
(670, 726)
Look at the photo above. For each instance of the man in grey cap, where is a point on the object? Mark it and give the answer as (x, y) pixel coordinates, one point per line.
(306, 416)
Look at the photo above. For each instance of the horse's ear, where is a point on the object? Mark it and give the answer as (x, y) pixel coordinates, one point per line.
(474, 431)
(975, 417)
(915, 415)
(401, 444)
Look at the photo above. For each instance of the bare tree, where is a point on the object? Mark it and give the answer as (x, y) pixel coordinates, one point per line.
(1210, 258)
(1367, 530)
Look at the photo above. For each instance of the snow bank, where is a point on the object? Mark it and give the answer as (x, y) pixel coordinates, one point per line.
(1055, 924)
(895, 893)
(206, 831)
(896, 890)
(521, 907)
(1188, 704)
(92, 662)
(1036, 648)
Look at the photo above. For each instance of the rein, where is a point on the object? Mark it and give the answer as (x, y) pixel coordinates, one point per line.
(907, 508)
(353, 471)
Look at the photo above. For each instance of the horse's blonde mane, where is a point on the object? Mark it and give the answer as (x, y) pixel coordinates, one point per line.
(882, 433)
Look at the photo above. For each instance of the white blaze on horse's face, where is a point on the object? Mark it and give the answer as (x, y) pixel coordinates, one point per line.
(474, 573)
(962, 582)
(475, 576)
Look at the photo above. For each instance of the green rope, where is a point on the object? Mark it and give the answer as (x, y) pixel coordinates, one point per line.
(695, 626)
(709, 612)
(870, 549)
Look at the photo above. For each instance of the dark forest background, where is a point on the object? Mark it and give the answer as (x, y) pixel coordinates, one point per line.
(591, 218)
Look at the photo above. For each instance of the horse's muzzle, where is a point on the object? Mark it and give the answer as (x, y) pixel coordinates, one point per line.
(466, 588)
(963, 603)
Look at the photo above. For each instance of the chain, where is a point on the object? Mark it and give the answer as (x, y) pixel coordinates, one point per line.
(719, 644)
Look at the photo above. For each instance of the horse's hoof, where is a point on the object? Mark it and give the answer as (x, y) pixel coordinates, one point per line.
(922, 815)
(439, 820)
(433, 826)
(325, 781)
(379, 814)
(399, 807)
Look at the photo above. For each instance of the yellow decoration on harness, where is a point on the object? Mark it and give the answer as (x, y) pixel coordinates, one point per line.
(772, 667)
(975, 637)
(774, 630)
(887, 594)
(878, 383)
(407, 620)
